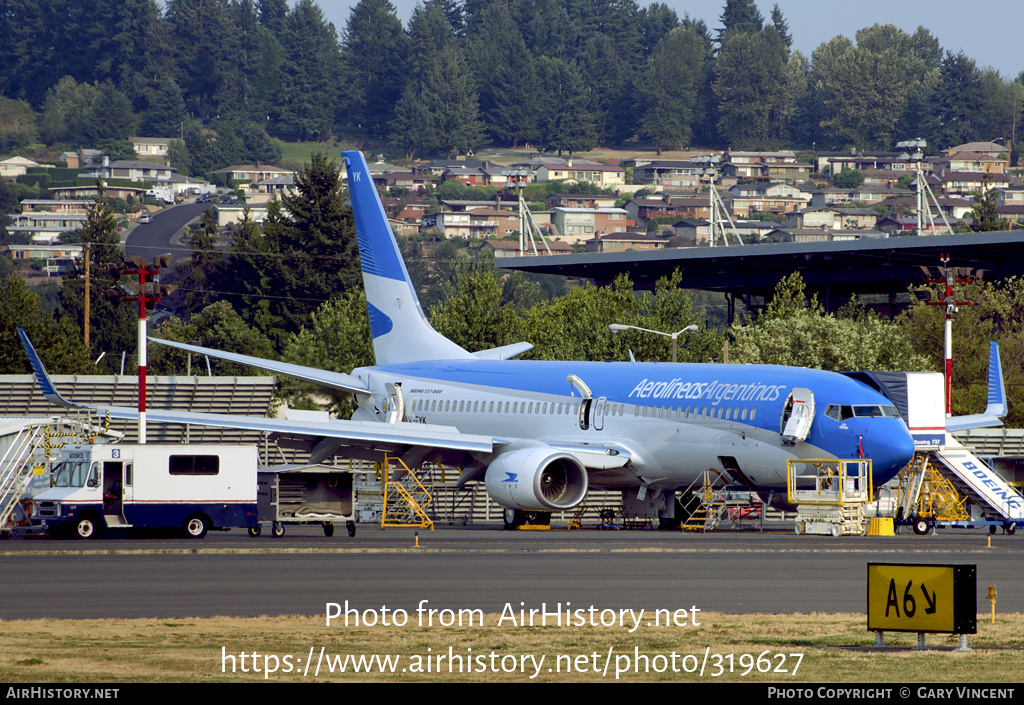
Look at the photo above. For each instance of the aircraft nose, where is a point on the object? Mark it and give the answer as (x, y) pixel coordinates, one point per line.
(889, 451)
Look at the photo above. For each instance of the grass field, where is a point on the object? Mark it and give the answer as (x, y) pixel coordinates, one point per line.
(832, 648)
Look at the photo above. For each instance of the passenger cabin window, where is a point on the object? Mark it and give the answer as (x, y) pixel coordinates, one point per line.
(194, 464)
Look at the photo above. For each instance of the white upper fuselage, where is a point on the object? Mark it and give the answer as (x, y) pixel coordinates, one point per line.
(673, 420)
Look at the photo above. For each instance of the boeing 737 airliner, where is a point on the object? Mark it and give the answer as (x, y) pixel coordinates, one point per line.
(539, 434)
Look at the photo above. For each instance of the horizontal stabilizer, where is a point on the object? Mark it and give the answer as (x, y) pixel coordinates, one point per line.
(505, 352)
(326, 378)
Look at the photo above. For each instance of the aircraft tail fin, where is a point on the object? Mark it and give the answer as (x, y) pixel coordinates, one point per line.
(997, 406)
(400, 331)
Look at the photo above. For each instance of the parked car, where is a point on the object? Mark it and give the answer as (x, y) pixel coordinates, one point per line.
(145, 218)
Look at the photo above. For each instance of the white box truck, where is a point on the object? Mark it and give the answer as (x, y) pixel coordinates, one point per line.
(192, 487)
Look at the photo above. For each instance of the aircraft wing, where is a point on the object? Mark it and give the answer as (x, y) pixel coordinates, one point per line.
(398, 437)
(326, 378)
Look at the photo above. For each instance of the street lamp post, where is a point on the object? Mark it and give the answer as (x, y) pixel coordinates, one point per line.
(619, 327)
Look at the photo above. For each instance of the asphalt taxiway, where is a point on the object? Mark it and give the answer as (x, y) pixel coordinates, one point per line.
(232, 574)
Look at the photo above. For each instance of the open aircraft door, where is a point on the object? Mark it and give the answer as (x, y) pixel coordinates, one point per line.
(587, 401)
(797, 415)
(394, 405)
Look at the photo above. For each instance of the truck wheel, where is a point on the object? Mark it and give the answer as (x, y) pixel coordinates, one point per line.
(836, 529)
(992, 529)
(1010, 529)
(351, 526)
(277, 530)
(196, 526)
(86, 527)
(921, 526)
(328, 529)
(255, 531)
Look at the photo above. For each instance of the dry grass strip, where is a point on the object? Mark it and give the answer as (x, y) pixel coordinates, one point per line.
(834, 648)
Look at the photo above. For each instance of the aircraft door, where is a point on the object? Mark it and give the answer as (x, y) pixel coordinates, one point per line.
(394, 404)
(797, 415)
(600, 411)
(588, 400)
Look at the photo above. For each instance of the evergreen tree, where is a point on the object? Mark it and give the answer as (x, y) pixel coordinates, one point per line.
(316, 247)
(983, 212)
(655, 21)
(781, 25)
(748, 84)
(374, 53)
(112, 323)
(166, 113)
(310, 75)
(668, 91)
(273, 14)
(740, 16)
(204, 51)
(513, 119)
(565, 123)
(957, 102)
(452, 104)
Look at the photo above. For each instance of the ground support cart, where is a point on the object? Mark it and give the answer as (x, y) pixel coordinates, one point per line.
(305, 494)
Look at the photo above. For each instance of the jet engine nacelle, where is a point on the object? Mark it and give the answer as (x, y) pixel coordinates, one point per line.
(536, 480)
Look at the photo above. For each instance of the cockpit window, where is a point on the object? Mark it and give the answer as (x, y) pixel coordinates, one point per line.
(841, 413)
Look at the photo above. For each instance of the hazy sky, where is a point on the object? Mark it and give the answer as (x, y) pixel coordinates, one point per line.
(988, 32)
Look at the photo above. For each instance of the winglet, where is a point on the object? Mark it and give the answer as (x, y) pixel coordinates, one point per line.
(997, 405)
(42, 378)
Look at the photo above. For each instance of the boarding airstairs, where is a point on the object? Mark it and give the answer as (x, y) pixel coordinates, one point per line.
(972, 477)
(405, 497)
(30, 442)
(16, 467)
(704, 495)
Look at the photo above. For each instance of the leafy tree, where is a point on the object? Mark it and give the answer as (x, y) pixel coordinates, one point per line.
(472, 314)
(848, 178)
(996, 313)
(17, 125)
(338, 337)
(791, 331)
(216, 326)
(57, 341)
